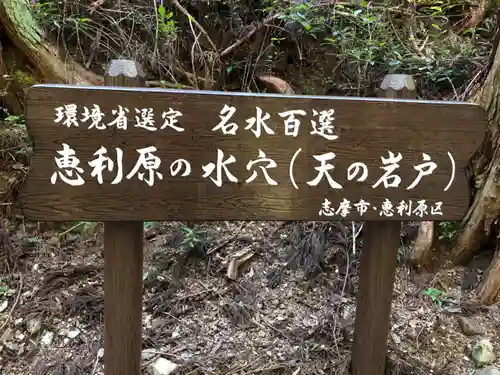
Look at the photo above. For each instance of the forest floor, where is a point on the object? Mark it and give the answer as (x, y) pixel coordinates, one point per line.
(273, 319)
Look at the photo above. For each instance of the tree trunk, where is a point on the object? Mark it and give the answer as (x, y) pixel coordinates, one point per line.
(489, 292)
(484, 212)
(24, 41)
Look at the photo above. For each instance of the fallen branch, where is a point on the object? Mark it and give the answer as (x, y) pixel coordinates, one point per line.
(222, 245)
(252, 29)
(237, 260)
(169, 85)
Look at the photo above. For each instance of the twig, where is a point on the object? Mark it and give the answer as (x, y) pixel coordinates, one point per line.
(94, 48)
(195, 23)
(166, 354)
(267, 369)
(190, 77)
(217, 248)
(207, 291)
(169, 85)
(251, 31)
(72, 228)
(195, 43)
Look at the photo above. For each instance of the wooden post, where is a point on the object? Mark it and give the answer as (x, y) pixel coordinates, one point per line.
(123, 261)
(381, 240)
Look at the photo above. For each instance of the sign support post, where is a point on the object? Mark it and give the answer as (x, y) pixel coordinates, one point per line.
(123, 266)
(381, 241)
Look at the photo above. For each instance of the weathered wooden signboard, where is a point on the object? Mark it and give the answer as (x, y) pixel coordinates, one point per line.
(104, 153)
(125, 155)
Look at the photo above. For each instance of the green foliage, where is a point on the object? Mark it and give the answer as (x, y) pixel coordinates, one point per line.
(448, 230)
(49, 14)
(4, 288)
(75, 17)
(16, 120)
(401, 254)
(364, 40)
(435, 295)
(166, 23)
(32, 241)
(191, 239)
(15, 140)
(370, 37)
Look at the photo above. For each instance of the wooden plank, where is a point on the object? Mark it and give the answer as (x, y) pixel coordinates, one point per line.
(377, 272)
(374, 297)
(367, 130)
(123, 266)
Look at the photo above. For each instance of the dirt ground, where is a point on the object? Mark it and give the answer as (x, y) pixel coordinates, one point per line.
(290, 310)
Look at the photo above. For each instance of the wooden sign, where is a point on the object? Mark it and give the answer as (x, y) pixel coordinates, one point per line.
(109, 153)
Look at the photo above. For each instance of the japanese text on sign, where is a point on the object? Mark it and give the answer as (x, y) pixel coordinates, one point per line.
(93, 117)
(114, 153)
(147, 168)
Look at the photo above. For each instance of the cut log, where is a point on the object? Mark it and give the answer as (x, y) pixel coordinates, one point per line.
(275, 84)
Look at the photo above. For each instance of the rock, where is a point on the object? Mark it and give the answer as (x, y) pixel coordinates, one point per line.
(490, 370)
(73, 333)
(4, 305)
(176, 333)
(33, 326)
(7, 335)
(148, 354)
(47, 338)
(470, 327)
(12, 347)
(163, 366)
(482, 353)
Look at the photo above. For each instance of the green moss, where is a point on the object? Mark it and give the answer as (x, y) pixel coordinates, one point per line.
(27, 28)
(23, 78)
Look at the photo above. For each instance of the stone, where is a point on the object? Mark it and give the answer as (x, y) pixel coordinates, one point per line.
(47, 338)
(7, 335)
(4, 305)
(163, 366)
(73, 333)
(33, 326)
(12, 347)
(148, 354)
(490, 370)
(470, 327)
(483, 353)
